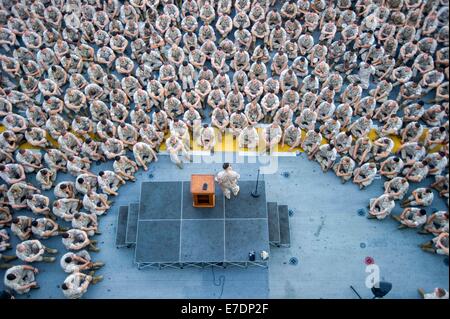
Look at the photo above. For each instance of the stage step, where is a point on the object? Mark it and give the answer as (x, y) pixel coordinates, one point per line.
(274, 223)
(121, 230)
(285, 235)
(133, 213)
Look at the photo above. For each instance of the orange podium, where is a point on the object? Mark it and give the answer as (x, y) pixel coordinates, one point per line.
(203, 191)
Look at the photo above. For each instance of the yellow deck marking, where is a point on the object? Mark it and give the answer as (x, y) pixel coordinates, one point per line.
(228, 144)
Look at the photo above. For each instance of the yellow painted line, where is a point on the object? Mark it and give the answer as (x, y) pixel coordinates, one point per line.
(229, 144)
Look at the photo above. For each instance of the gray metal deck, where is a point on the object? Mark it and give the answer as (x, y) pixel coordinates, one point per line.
(121, 233)
(274, 223)
(285, 235)
(219, 236)
(328, 237)
(133, 211)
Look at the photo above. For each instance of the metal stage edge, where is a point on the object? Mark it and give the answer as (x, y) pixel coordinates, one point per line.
(243, 264)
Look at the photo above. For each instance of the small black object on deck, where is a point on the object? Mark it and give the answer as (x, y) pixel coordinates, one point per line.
(255, 193)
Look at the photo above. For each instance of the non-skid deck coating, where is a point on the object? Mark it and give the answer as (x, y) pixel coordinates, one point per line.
(236, 207)
(226, 233)
(164, 202)
(121, 233)
(285, 236)
(158, 241)
(133, 211)
(327, 236)
(245, 235)
(274, 222)
(207, 244)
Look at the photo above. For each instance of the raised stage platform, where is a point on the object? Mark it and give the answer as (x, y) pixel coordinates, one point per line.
(173, 233)
(167, 231)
